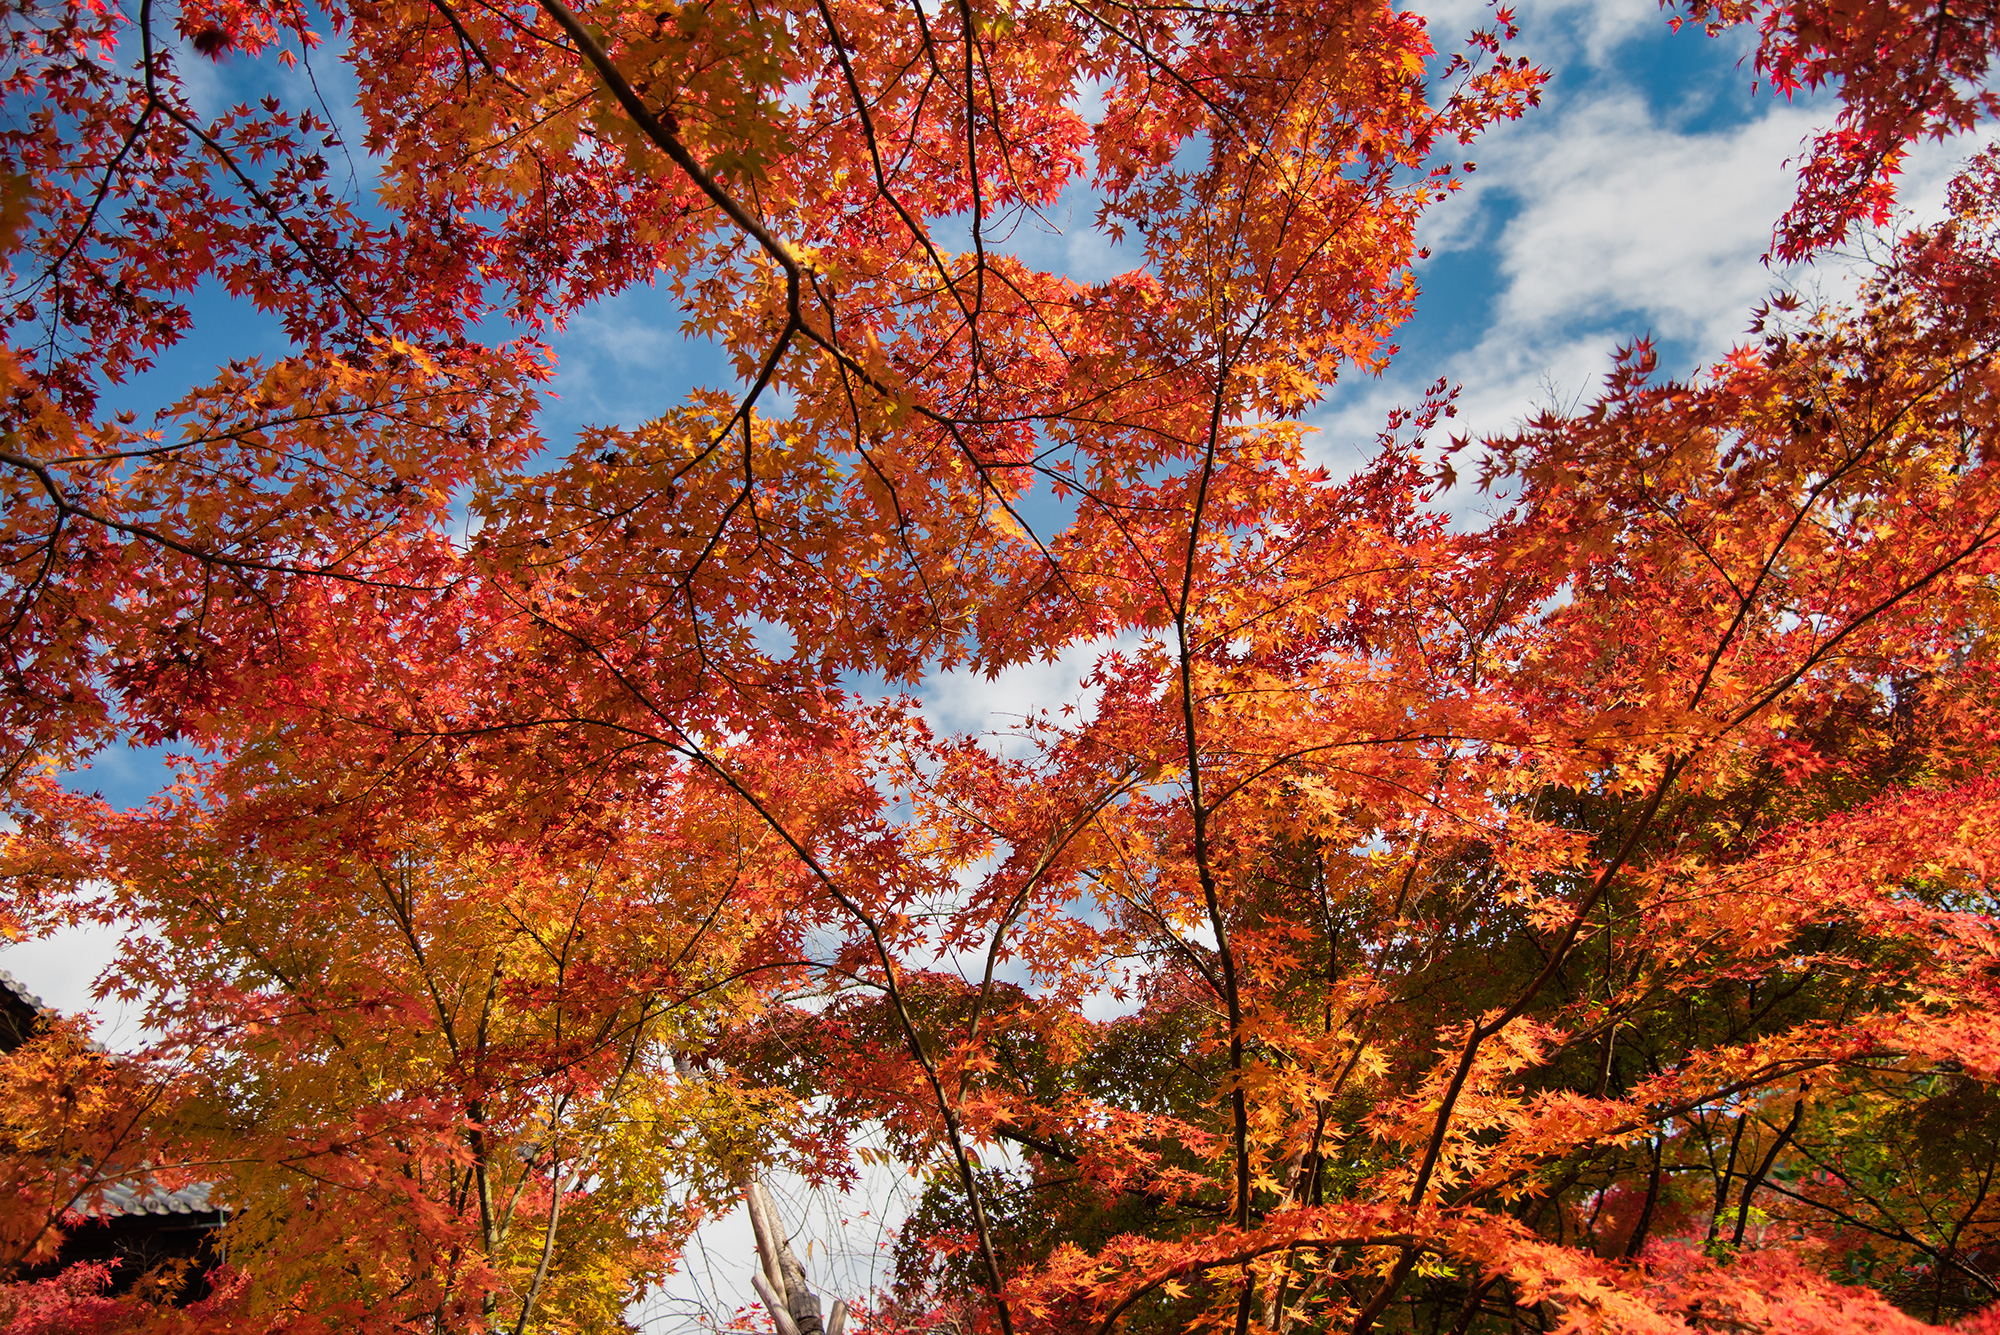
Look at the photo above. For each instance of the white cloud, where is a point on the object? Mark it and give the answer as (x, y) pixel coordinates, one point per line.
(964, 700)
(624, 361)
(1604, 221)
(1622, 216)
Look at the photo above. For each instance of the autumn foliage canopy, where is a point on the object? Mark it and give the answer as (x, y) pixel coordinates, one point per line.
(1583, 918)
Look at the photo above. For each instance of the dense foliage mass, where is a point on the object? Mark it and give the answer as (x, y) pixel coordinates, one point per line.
(1579, 921)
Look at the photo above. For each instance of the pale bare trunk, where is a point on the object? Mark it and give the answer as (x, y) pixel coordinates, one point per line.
(781, 1280)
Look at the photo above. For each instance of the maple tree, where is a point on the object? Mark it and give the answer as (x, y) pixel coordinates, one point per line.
(1581, 920)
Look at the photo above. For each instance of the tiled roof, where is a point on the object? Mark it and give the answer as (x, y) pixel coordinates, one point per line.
(142, 1195)
(21, 1011)
(20, 990)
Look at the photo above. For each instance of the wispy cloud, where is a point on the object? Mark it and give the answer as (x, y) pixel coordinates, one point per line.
(1599, 223)
(966, 701)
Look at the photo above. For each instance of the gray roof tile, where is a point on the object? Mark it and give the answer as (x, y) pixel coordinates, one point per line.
(20, 990)
(142, 1195)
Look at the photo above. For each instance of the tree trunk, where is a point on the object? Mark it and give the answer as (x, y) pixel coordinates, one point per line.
(783, 1275)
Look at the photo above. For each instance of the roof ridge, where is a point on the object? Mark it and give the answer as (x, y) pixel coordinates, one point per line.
(27, 995)
(19, 994)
